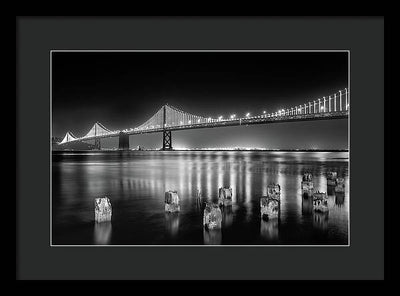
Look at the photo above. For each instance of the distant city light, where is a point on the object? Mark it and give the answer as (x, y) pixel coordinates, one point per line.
(190, 121)
(198, 120)
(248, 114)
(233, 116)
(220, 117)
(264, 111)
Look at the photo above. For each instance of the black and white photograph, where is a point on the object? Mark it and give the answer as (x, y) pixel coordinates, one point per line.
(200, 148)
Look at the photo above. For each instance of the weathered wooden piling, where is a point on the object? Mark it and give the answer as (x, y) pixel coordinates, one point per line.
(225, 196)
(212, 217)
(172, 202)
(339, 185)
(331, 178)
(270, 204)
(307, 185)
(102, 209)
(320, 202)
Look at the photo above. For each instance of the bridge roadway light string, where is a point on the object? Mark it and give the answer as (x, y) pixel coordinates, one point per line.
(175, 116)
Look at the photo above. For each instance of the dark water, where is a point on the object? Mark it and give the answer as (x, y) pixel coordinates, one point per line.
(136, 181)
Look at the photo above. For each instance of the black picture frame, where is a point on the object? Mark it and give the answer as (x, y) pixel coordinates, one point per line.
(364, 38)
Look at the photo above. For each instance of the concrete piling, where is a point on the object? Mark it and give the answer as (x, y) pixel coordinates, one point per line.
(102, 209)
(270, 204)
(274, 190)
(320, 202)
(339, 187)
(172, 201)
(307, 185)
(212, 217)
(331, 178)
(225, 196)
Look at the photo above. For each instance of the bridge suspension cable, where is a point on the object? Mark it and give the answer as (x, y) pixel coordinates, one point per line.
(173, 117)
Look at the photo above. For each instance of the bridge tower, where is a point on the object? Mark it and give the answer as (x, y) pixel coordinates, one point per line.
(97, 144)
(123, 141)
(167, 135)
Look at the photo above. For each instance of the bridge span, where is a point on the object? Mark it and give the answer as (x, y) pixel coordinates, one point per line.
(169, 118)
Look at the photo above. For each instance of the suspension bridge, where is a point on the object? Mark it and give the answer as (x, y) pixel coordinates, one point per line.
(169, 118)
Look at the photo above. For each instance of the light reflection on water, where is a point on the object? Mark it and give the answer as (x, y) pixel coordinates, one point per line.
(269, 230)
(102, 233)
(135, 182)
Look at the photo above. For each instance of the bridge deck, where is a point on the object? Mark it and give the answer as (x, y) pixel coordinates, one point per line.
(229, 122)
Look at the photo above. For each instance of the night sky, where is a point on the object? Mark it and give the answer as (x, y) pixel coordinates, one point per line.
(122, 90)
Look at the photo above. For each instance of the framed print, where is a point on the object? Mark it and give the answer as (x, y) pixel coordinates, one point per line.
(163, 145)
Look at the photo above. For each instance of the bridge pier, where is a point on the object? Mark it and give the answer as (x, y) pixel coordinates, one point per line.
(167, 140)
(123, 140)
(97, 144)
